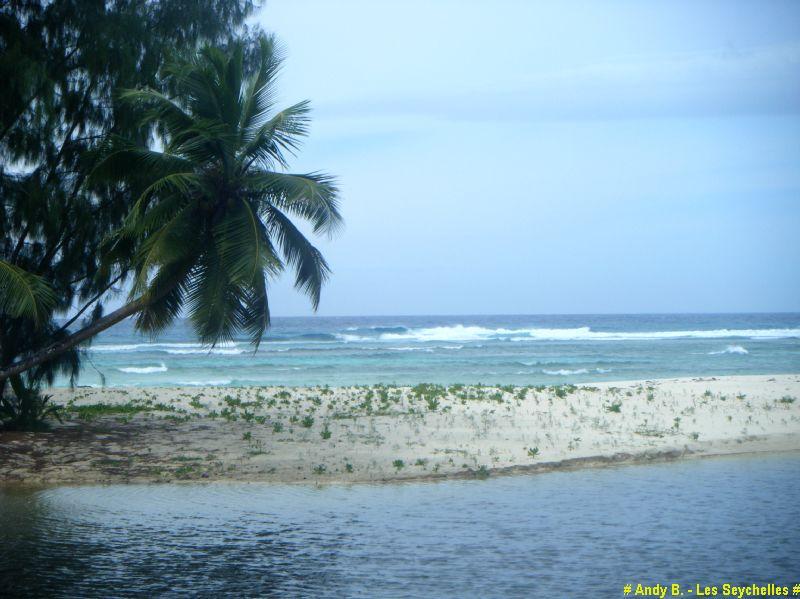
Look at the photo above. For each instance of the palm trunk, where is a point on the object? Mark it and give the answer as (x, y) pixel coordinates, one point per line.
(71, 341)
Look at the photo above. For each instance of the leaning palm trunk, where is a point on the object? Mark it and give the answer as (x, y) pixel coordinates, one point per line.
(76, 338)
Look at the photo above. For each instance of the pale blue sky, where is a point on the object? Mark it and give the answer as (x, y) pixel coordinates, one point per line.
(551, 157)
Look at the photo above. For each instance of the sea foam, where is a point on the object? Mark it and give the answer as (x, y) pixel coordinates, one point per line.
(731, 349)
(565, 372)
(220, 351)
(144, 369)
(461, 332)
(207, 383)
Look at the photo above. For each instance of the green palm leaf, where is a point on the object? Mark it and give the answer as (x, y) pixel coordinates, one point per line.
(23, 294)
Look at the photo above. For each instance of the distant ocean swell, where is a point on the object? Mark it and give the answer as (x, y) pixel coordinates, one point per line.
(459, 333)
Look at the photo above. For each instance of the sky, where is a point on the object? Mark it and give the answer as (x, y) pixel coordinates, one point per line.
(520, 157)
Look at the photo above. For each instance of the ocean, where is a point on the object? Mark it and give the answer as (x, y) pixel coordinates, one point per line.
(519, 350)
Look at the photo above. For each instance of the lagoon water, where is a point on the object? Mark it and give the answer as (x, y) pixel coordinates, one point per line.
(583, 533)
(450, 349)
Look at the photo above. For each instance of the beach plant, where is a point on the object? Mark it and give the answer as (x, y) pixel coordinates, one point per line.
(325, 433)
(398, 465)
(307, 421)
(482, 472)
(533, 452)
(27, 410)
(432, 402)
(614, 407)
(213, 216)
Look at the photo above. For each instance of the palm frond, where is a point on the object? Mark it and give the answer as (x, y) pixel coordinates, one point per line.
(155, 107)
(182, 184)
(312, 196)
(173, 242)
(168, 290)
(311, 269)
(123, 160)
(24, 295)
(213, 301)
(281, 133)
(243, 245)
(253, 313)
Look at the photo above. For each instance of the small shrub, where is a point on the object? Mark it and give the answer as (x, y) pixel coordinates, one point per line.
(27, 411)
(432, 402)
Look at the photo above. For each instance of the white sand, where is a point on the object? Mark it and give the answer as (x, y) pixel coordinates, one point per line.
(472, 431)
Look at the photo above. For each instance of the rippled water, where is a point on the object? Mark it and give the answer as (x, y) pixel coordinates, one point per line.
(581, 533)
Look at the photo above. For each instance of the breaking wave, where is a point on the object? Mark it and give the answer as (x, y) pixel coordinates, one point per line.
(477, 333)
(567, 372)
(144, 369)
(731, 349)
(217, 350)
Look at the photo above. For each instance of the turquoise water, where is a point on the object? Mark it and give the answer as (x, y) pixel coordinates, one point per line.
(563, 534)
(447, 349)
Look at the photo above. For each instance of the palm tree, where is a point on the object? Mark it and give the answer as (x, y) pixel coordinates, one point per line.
(213, 221)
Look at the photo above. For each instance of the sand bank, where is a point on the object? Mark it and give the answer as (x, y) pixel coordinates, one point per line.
(380, 433)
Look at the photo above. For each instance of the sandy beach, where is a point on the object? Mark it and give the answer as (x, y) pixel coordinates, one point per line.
(384, 433)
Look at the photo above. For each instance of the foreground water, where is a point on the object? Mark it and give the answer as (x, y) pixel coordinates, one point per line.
(582, 533)
(517, 350)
